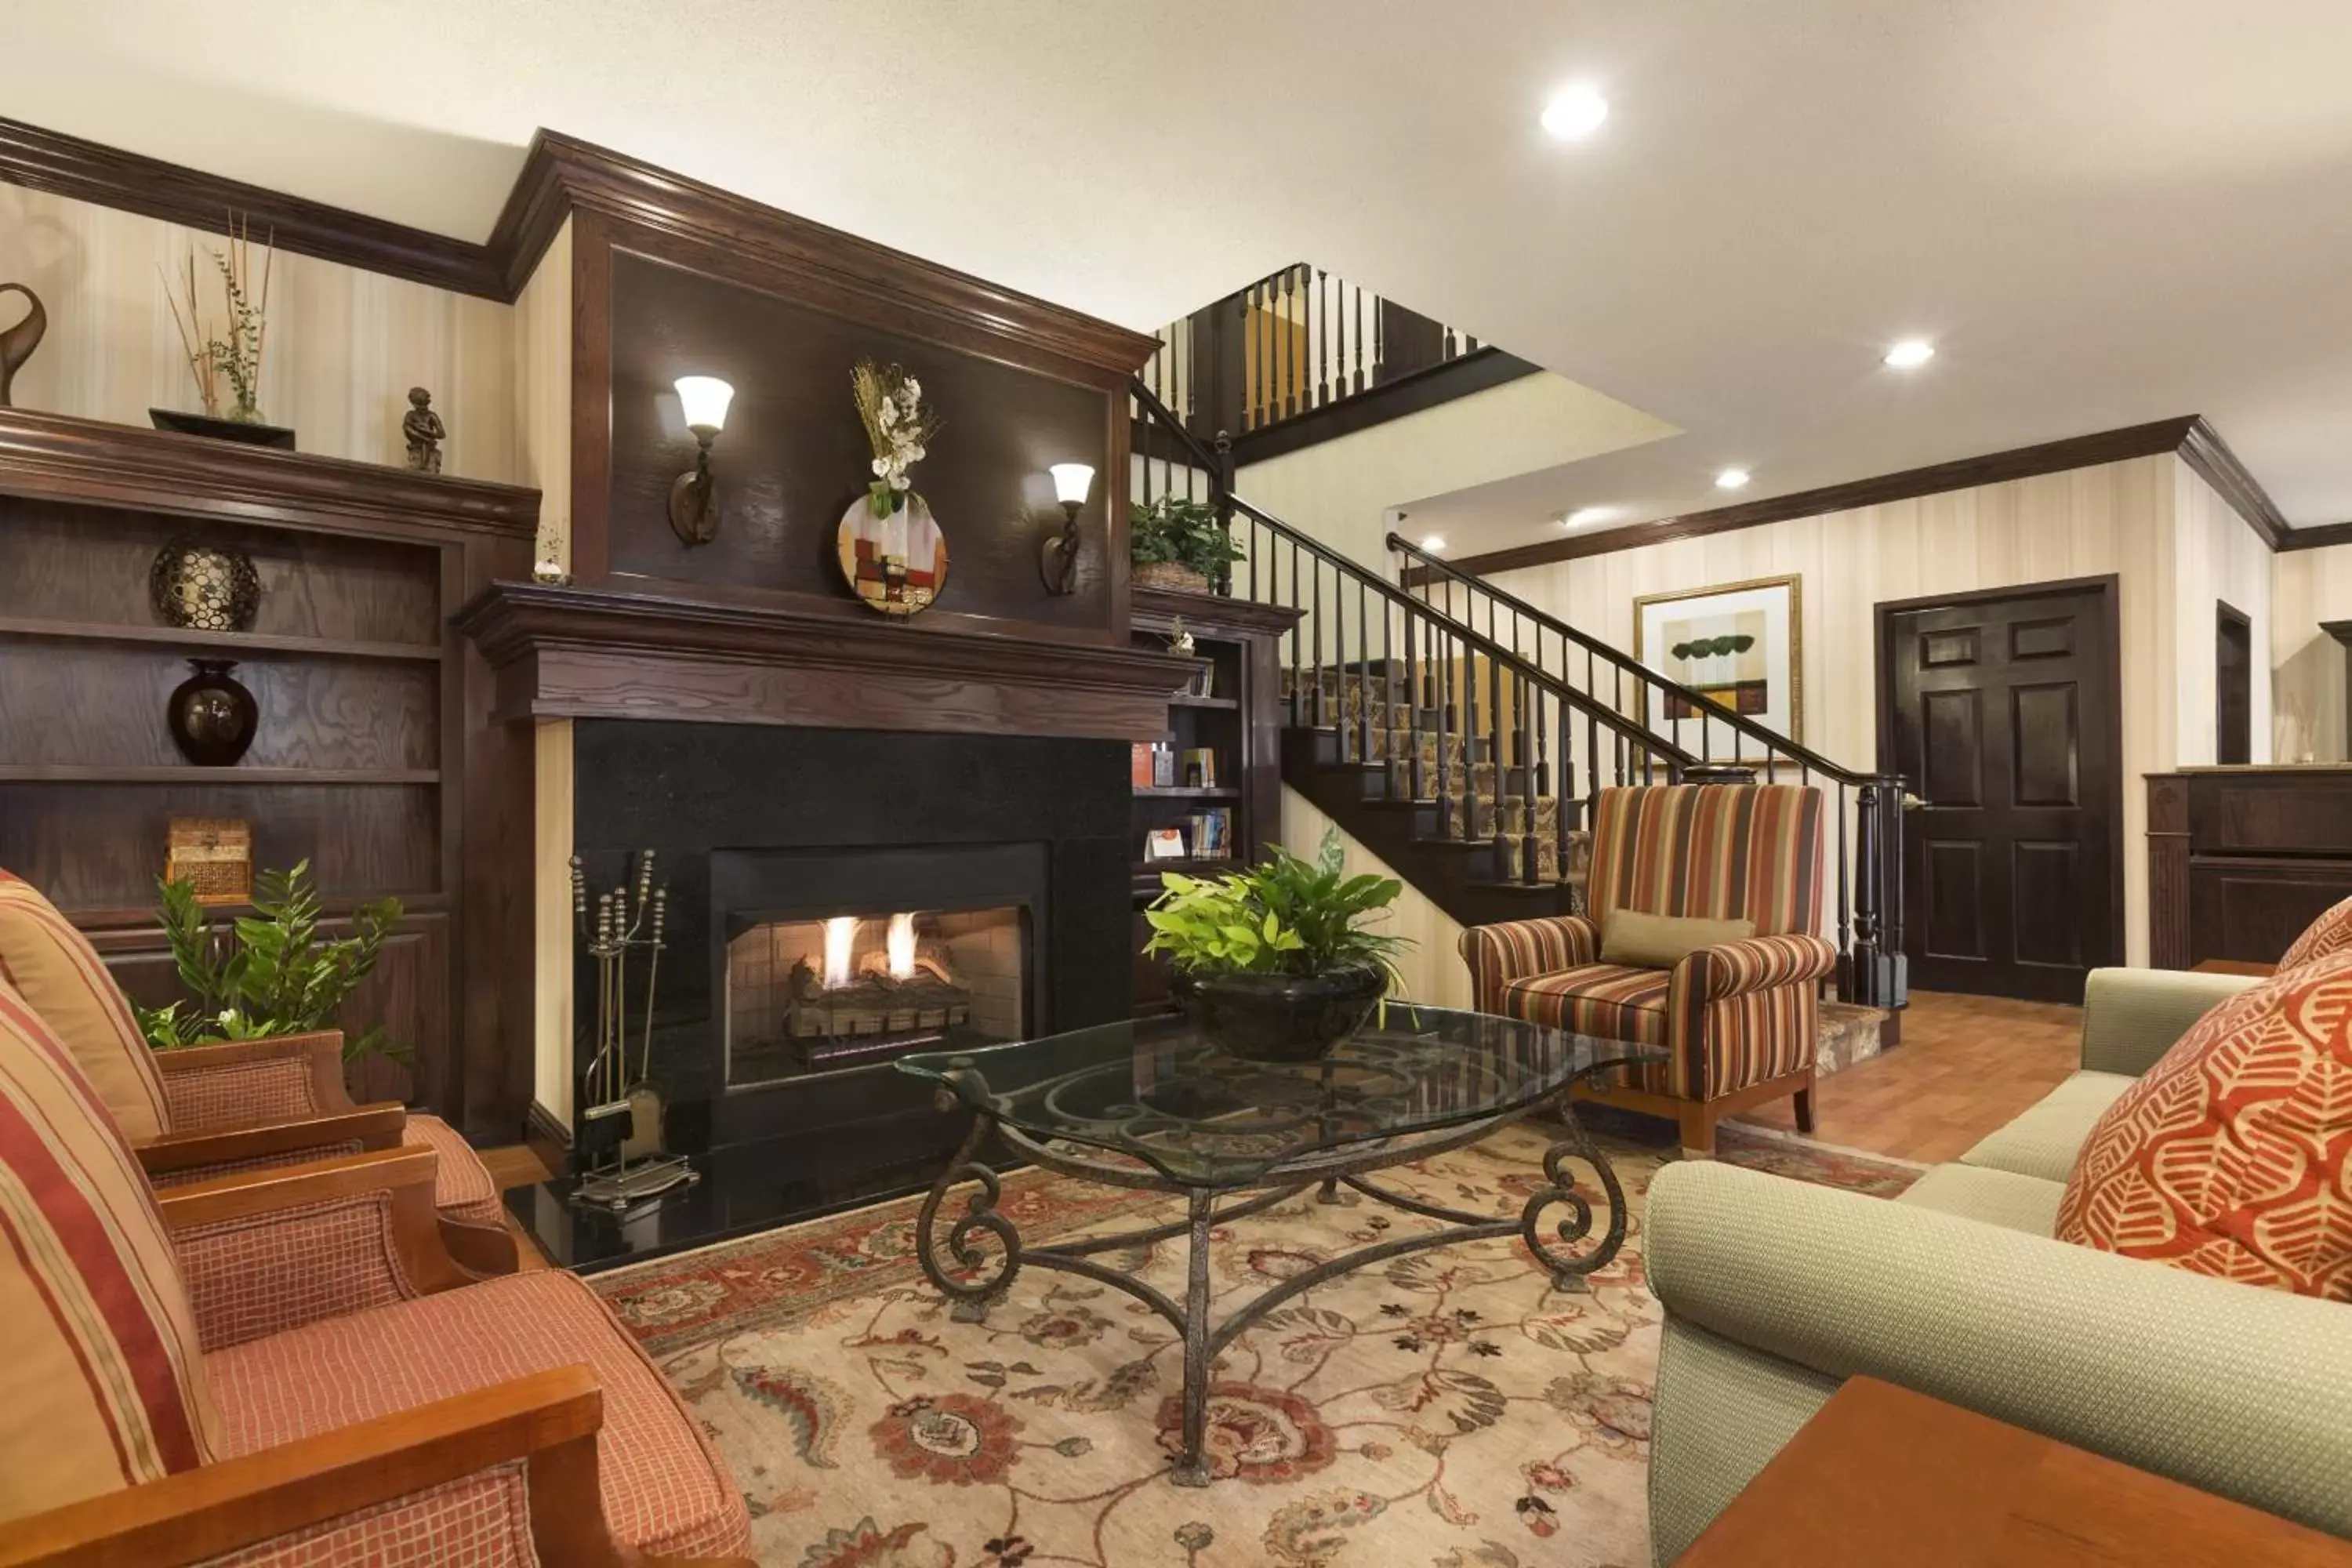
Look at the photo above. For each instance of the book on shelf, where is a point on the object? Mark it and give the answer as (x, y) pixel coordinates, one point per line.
(1139, 764)
(1211, 834)
(1164, 843)
(1200, 768)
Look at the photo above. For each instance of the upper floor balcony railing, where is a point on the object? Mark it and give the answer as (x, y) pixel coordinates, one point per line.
(1300, 356)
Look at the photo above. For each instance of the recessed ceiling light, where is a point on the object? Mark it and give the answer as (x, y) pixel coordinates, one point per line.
(1730, 479)
(1586, 516)
(1433, 542)
(1574, 112)
(1910, 353)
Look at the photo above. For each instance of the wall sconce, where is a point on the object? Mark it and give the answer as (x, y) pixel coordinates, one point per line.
(1058, 564)
(693, 501)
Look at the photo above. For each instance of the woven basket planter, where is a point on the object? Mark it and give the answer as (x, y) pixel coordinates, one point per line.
(1170, 574)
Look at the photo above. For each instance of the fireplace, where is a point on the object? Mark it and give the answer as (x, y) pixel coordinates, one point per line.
(837, 960)
(770, 1067)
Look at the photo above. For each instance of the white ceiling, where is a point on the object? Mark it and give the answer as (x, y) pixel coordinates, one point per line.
(2102, 211)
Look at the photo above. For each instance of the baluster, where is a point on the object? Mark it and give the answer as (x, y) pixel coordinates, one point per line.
(1296, 695)
(1528, 779)
(1380, 343)
(1449, 344)
(1413, 694)
(1495, 760)
(1364, 673)
(1890, 922)
(1357, 384)
(1441, 654)
(1322, 712)
(1319, 324)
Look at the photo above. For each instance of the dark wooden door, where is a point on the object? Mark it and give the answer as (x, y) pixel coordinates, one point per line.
(2234, 685)
(2002, 713)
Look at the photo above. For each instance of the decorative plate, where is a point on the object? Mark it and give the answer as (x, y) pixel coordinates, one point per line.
(897, 564)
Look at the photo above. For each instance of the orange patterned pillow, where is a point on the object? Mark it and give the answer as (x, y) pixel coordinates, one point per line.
(53, 966)
(2331, 932)
(2232, 1155)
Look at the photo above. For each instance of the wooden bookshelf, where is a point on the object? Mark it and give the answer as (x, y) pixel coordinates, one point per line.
(364, 763)
(1238, 719)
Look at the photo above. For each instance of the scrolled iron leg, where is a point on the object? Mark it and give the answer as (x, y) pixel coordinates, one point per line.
(1331, 1193)
(1569, 1270)
(970, 1299)
(1191, 1468)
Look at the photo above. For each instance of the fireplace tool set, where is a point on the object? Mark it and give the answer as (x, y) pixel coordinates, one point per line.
(626, 933)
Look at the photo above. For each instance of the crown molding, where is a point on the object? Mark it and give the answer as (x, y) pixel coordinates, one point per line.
(129, 182)
(2191, 437)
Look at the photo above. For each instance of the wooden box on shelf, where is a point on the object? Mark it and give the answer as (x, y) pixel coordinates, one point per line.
(212, 854)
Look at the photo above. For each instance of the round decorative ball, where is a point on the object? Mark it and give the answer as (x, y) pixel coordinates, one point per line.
(204, 587)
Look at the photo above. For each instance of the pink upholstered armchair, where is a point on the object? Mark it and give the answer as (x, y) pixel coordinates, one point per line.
(1741, 1018)
(283, 1366)
(199, 1111)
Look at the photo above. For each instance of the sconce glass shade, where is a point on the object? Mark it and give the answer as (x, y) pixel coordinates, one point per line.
(1071, 482)
(705, 399)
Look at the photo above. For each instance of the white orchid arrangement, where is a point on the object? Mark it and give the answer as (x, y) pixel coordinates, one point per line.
(901, 428)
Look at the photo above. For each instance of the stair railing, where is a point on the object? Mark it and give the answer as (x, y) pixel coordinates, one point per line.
(1447, 716)
(1293, 342)
(1868, 807)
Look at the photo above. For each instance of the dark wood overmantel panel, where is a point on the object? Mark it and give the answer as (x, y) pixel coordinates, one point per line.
(572, 652)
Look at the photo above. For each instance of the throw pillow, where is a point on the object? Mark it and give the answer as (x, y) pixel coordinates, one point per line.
(2232, 1155)
(53, 967)
(1638, 940)
(2331, 932)
(103, 1382)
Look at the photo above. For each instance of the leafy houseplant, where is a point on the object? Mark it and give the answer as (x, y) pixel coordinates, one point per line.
(270, 974)
(1277, 961)
(1169, 531)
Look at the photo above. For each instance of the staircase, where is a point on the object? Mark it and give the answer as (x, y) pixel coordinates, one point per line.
(1463, 735)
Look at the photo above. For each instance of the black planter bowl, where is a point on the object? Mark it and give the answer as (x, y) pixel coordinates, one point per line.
(1279, 1017)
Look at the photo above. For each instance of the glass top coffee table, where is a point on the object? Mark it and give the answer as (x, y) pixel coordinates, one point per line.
(1150, 1105)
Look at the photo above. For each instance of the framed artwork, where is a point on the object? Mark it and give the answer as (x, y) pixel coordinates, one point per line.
(1741, 644)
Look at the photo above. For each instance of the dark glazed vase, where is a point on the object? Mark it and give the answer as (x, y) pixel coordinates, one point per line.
(1278, 1017)
(211, 717)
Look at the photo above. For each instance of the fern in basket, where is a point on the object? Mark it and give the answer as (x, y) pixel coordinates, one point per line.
(270, 973)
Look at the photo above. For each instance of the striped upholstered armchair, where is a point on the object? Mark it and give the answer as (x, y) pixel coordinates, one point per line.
(1741, 1017)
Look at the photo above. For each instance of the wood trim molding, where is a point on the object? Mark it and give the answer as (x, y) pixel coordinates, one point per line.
(2204, 451)
(57, 457)
(572, 652)
(131, 181)
(1964, 473)
(2319, 537)
(1480, 370)
(1211, 612)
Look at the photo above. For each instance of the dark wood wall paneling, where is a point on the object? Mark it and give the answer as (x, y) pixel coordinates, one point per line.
(364, 763)
(794, 455)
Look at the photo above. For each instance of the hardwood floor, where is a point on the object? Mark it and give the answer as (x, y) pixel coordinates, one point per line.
(1966, 1064)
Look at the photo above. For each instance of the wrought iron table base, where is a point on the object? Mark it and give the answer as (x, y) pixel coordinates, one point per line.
(972, 1298)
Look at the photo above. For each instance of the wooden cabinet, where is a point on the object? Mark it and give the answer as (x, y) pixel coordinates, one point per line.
(2241, 859)
(369, 761)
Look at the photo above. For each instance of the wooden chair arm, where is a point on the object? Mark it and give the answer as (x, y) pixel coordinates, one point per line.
(407, 1175)
(371, 1126)
(548, 1420)
(323, 1047)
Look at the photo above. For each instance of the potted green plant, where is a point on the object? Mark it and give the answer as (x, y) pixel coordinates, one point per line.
(1179, 543)
(1278, 963)
(270, 973)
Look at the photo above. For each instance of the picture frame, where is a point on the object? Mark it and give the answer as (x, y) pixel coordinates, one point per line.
(1739, 643)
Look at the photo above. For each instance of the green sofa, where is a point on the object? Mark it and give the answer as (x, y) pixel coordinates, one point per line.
(1775, 1292)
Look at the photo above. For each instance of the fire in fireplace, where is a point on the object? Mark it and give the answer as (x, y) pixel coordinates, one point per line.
(817, 995)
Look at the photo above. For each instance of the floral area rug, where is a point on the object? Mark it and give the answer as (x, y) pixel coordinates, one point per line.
(1450, 1408)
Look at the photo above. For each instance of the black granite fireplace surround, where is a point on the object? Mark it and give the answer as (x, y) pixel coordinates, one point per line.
(760, 823)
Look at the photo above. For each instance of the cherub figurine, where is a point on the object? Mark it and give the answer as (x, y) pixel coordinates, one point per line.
(425, 431)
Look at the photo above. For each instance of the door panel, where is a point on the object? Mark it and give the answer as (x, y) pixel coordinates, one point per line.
(2003, 712)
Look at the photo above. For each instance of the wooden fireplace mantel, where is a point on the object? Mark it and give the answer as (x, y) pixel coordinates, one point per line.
(580, 653)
